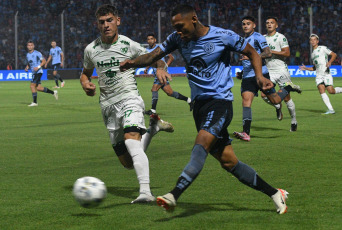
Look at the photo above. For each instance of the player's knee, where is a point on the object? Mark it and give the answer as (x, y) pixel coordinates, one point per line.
(228, 165)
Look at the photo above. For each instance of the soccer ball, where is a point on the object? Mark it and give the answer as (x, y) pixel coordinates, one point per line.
(89, 191)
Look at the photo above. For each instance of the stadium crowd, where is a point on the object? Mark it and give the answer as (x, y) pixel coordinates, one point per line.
(40, 21)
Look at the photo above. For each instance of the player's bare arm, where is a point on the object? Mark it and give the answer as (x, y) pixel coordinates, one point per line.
(88, 87)
(285, 52)
(48, 60)
(266, 53)
(62, 59)
(303, 67)
(149, 59)
(170, 60)
(332, 59)
(255, 60)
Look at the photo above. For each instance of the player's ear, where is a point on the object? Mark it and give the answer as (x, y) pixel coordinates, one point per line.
(194, 18)
(118, 21)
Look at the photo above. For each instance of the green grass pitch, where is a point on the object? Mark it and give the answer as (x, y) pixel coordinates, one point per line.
(45, 149)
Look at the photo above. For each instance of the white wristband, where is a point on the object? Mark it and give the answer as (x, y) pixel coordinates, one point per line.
(39, 67)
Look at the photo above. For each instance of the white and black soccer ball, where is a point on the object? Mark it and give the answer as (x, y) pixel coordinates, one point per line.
(89, 191)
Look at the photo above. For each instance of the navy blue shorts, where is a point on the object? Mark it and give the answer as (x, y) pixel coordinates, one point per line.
(250, 84)
(36, 78)
(214, 116)
(56, 67)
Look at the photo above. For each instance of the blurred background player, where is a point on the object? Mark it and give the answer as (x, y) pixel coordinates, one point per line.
(324, 79)
(249, 85)
(121, 104)
(57, 56)
(277, 66)
(35, 62)
(152, 42)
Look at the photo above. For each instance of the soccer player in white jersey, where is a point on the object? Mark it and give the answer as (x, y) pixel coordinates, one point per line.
(121, 104)
(324, 79)
(277, 66)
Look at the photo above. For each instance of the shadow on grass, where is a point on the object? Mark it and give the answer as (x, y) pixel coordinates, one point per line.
(86, 215)
(191, 209)
(313, 110)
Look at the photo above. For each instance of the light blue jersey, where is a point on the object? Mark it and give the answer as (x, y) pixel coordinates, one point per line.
(34, 59)
(56, 55)
(208, 61)
(258, 42)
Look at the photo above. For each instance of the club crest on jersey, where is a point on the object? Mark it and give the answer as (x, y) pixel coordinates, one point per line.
(209, 47)
(124, 50)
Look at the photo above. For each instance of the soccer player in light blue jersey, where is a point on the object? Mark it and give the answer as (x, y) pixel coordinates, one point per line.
(206, 51)
(249, 85)
(57, 56)
(35, 61)
(152, 42)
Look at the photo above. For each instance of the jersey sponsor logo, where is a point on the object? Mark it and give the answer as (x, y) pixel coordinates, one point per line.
(112, 63)
(209, 47)
(196, 67)
(223, 32)
(124, 50)
(124, 42)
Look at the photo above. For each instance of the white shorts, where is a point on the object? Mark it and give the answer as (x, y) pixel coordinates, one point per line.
(326, 79)
(124, 114)
(280, 77)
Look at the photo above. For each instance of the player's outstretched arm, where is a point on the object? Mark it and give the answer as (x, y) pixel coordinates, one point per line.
(303, 67)
(285, 52)
(88, 87)
(266, 53)
(332, 59)
(254, 57)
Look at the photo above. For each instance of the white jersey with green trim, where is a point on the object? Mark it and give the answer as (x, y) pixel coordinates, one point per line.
(319, 58)
(114, 85)
(276, 43)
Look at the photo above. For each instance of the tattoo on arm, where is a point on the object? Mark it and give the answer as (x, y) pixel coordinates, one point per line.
(266, 53)
(148, 59)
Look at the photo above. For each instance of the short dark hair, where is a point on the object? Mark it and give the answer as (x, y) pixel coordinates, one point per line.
(182, 9)
(250, 18)
(106, 9)
(151, 34)
(29, 41)
(272, 17)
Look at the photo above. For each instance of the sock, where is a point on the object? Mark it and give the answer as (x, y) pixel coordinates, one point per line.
(56, 80)
(191, 170)
(284, 92)
(277, 106)
(59, 77)
(248, 176)
(34, 96)
(247, 119)
(338, 89)
(46, 90)
(292, 110)
(326, 101)
(188, 100)
(154, 99)
(147, 137)
(179, 96)
(140, 162)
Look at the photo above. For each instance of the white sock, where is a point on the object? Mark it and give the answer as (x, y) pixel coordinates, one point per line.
(338, 89)
(140, 162)
(147, 137)
(292, 110)
(326, 101)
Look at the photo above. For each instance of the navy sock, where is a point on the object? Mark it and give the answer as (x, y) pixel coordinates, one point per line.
(248, 176)
(59, 77)
(56, 83)
(191, 170)
(284, 92)
(46, 90)
(34, 96)
(178, 96)
(154, 99)
(247, 119)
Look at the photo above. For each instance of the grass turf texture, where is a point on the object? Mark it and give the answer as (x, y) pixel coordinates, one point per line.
(45, 149)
